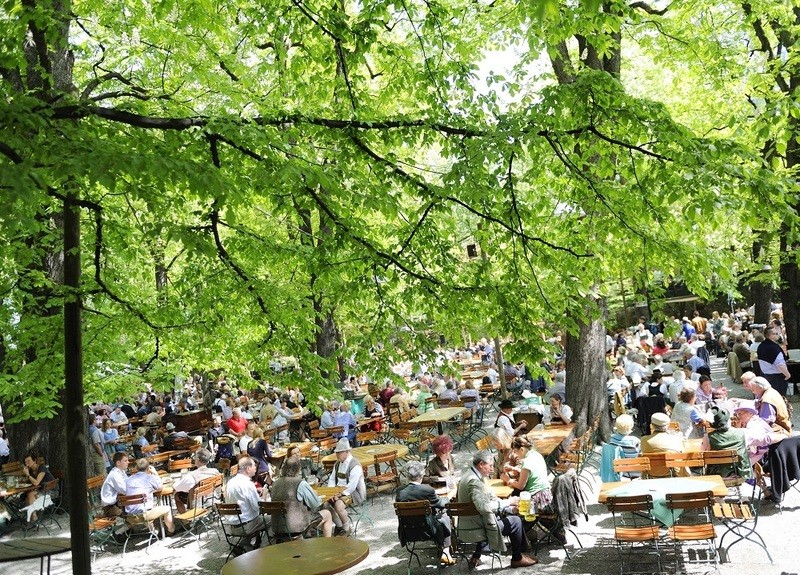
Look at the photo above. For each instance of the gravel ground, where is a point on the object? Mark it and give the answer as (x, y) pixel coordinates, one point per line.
(183, 556)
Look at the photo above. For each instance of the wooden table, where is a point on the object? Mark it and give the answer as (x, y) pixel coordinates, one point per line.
(318, 556)
(549, 439)
(39, 548)
(326, 493)
(660, 487)
(439, 416)
(712, 483)
(366, 455)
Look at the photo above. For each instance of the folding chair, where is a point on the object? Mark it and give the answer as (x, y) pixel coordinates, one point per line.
(276, 510)
(634, 523)
(695, 526)
(632, 467)
(676, 462)
(658, 465)
(456, 511)
(740, 519)
(415, 526)
(237, 539)
(136, 523)
(178, 465)
(199, 517)
(724, 462)
(386, 475)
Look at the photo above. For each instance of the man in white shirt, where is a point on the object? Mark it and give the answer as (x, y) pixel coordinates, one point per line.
(348, 473)
(117, 416)
(242, 491)
(184, 487)
(114, 485)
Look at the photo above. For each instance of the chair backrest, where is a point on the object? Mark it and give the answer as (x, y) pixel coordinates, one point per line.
(633, 518)
(677, 461)
(692, 500)
(138, 499)
(632, 465)
(335, 429)
(272, 507)
(228, 510)
(367, 436)
(179, 464)
(413, 522)
(95, 482)
(11, 467)
(630, 503)
(461, 509)
(658, 464)
(484, 443)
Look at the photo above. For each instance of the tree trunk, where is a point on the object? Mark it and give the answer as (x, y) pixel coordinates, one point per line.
(760, 292)
(586, 371)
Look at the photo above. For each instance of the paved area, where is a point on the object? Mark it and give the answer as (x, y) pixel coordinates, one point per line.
(182, 556)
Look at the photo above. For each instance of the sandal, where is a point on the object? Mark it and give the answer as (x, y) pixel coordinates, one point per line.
(447, 560)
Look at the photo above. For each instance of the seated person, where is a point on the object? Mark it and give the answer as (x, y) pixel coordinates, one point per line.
(421, 399)
(560, 412)
(470, 396)
(449, 392)
(530, 476)
(303, 508)
(236, 424)
(372, 409)
(496, 517)
(505, 419)
(442, 464)
(348, 473)
(655, 385)
(691, 420)
(618, 383)
(501, 441)
(37, 475)
(241, 490)
(172, 436)
(184, 487)
(660, 441)
(758, 434)
(417, 491)
(722, 436)
(146, 480)
(621, 437)
(115, 484)
(141, 441)
(347, 422)
(328, 418)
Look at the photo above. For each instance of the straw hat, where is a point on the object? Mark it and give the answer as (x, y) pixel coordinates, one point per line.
(342, 445)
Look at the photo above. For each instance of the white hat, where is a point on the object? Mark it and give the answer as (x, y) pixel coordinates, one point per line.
(667, 369)
(660, 421)
(170, 426)
(343, 445)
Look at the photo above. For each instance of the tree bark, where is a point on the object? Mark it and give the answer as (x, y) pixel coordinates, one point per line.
(586, 371)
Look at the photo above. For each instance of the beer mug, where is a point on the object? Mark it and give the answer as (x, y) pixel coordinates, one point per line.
(524, 503)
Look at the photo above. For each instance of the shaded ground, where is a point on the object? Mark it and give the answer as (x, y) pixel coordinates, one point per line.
(598, 556)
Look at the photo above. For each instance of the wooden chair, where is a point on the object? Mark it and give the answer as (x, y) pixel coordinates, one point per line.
(136, 523)
(460, 547)
(386, 476)
(634, 524)
(632, 467)
(236, 538)
(658, 465)
(484, 443)
(683, 463)
(366, 437)
(178, 465)
(740, 519)
(723, 462)
(11, 467)
(199, 517)
(277, 525)
(695, 526)
(417, 525)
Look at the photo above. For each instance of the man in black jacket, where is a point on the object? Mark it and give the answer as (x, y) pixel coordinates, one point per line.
(417, 491)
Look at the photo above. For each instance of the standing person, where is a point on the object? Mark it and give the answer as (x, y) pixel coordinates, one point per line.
(259, 450)
(302, 504)
(115, 485)
(772, 361)
(97, 451)
(497, 517)
(146, 481)
(417, 491)
(242, 491)
(348, 473)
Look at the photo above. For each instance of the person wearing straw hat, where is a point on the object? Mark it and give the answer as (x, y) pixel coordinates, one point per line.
(348, 473)
(758, 434)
